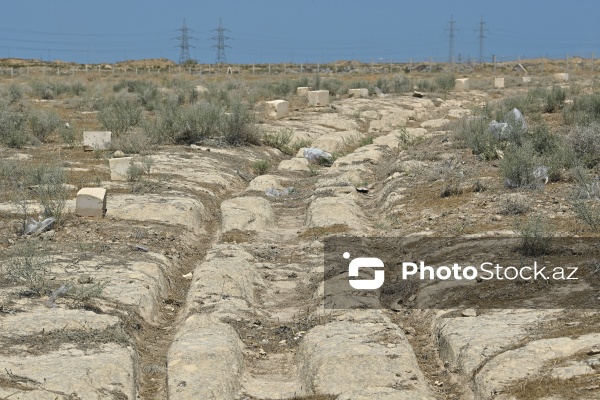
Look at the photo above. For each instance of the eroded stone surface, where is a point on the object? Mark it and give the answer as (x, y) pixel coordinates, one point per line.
(106, 372)
(362, 357)
(205, 360)
(246, 214)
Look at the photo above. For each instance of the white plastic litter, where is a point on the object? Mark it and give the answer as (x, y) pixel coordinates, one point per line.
(35, 227)
(515, 122)
(317, 155)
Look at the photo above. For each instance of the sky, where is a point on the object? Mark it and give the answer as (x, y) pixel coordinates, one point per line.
(301, 31)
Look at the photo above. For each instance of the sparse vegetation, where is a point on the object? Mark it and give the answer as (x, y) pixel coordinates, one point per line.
(261, 167)
(43, 123)
(28, 265)
(238, 126)
(535, 234)
(119, 113)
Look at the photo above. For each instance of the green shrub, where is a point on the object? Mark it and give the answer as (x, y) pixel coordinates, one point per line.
(584, 110)
(134, 142)
(473, 132)
(146, 90)
(335, 86)
(12, 126)
(588, 212)
(186, 123)
(261, 167)
(43, 123)
(51, 192)
(278, 140)
(67, 134)
(554, 99)
(238, 126)
(402, 84)
(384, 85)
(586, 199)
(535, 235)
(14, 93)
(29, 265)
(217, 95)
(51, 89)
(282, 88)
(134, 171)
(119, 113)
(585, 140)
(515, 205)
(445, 83)
(519, 164)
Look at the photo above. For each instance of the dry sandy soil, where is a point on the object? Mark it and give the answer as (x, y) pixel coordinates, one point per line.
(214, 289)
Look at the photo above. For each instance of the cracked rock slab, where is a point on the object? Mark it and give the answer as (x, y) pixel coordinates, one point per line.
(205, 360)
(107, 372)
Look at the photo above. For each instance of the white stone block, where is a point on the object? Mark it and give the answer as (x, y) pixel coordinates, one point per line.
(302, 91)
(119, 167)
(278, 109)
(461, 84)
(200, 89)
(526, 79)
(359, 92)
(91, 202)
(498, 83)
(318, 97)
(96, 140)
(561, 76)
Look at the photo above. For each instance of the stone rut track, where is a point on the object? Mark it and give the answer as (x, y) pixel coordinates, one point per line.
(227, 303)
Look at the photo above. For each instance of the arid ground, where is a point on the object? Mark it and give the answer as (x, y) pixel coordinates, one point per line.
(204, 280)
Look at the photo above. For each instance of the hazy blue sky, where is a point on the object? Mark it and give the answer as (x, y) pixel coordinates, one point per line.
(297, 31)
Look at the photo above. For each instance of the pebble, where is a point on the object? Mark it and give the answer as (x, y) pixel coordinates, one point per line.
(469, 312)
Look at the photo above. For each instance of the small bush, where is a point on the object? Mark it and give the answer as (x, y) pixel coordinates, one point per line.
(120, 113)
(402, 84)
(51, 89)
(134, 172)
(535, 235)
(83, 293)
(278, 140)
(554, 100)
(473, 132)
(451, 175)
(584, 110)
(43, 123)
(366, 140)
(14, 94)
(67, 134)
(335, 86)
(12, 126)
(135, 142)
(588, 212)
(28, 265)
(146, 90)
(515, 205)
(51, 191)
(239, 126)
(585, 140)
(384, 85)
(519, 166)
(261, 167)
(445, 83)
(282, 88)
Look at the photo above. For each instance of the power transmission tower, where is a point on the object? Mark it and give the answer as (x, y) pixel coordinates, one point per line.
(481, 36)
(452, 37)
(220, 46)
(184, 43)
